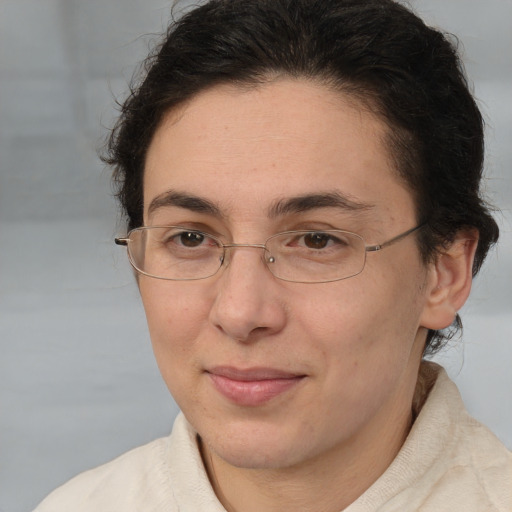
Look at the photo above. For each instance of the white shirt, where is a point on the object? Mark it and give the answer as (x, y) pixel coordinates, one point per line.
(449, 462)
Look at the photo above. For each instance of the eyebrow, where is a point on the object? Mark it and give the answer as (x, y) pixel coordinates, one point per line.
(187, 201)
(315, 201)
(282, 207)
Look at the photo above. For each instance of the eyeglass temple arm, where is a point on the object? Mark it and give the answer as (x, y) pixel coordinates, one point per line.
(121, 241)
(378, 247)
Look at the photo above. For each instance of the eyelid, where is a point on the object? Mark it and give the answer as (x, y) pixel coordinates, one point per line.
(314, 227)
(196, 226)
(327, 232)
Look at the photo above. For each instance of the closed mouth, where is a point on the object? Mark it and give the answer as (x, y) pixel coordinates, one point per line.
(253, 386)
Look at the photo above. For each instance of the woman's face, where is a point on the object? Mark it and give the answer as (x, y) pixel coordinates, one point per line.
(271, 373)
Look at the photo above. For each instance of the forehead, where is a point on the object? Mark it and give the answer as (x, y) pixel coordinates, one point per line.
(249, 147)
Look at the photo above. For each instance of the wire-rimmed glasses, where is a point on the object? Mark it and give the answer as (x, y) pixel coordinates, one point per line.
(179, 253)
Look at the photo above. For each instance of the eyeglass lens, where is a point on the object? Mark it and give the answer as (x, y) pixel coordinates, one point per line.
(177, 253)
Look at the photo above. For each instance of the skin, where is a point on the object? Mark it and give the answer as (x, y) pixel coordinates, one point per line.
(355, 345)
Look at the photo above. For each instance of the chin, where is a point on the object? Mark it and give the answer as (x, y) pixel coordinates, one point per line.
(256, 446)
(255, 457)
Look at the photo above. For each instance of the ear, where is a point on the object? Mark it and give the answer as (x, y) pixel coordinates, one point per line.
(450, 281)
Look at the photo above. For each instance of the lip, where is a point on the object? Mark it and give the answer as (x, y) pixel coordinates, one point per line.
(253, 386)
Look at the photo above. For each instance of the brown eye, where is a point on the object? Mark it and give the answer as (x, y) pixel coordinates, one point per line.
(316, 240)
(191, 238)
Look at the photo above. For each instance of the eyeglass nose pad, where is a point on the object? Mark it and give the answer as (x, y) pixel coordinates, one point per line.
(269, 260)
(224, 257)
(266, 257)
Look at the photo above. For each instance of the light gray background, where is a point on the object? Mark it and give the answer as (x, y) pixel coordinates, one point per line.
(78, 384)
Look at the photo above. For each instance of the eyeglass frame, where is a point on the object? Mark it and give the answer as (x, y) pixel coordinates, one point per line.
(124, 241)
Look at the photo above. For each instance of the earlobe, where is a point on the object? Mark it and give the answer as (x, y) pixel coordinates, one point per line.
(450, 281)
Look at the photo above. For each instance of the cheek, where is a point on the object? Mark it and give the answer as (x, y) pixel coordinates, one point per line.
(368, 321)
(370, 340)
(175, 316)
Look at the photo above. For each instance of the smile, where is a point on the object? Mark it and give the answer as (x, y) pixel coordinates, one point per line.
(252, 387)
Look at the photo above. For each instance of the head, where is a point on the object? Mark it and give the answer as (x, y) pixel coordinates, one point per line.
(377, 53)
(255, 117)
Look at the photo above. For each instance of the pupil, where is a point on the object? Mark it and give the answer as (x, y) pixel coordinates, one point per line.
(316, 240)
(191, 239)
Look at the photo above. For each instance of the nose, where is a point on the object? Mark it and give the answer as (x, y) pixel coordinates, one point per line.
(248, 304)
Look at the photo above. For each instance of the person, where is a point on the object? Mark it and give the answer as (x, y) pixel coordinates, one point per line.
(301, 183)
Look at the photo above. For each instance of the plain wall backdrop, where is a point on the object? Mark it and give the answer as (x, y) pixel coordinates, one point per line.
(78, 384)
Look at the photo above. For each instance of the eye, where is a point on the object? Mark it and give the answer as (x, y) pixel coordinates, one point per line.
(189, 238)
(317, 240)
(321, 240)
(180, 239)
